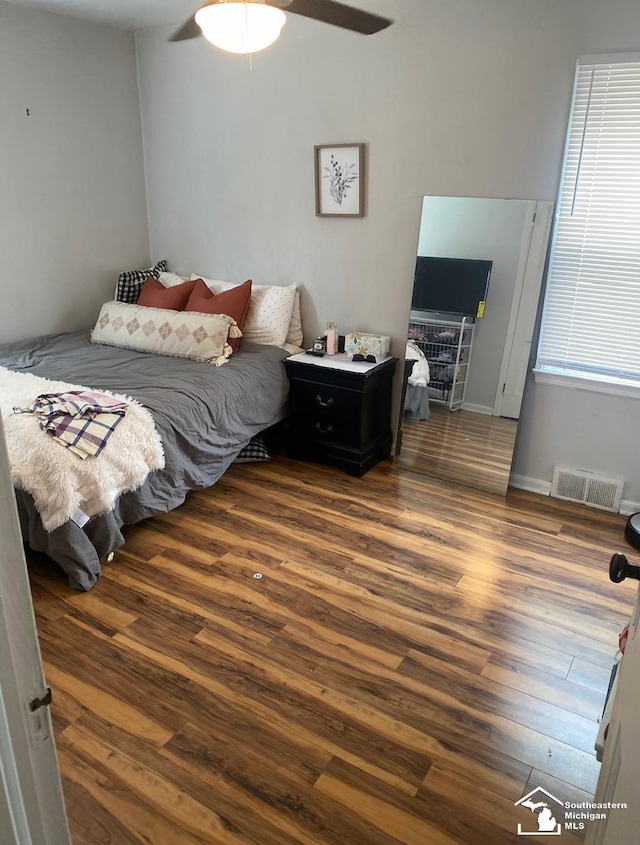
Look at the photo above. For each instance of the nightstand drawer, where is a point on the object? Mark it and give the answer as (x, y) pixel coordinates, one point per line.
(310, 396)
(328, 428)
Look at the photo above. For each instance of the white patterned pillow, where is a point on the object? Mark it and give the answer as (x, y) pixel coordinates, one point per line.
(184, 334)
(170, 280)
(271, 312)
(295, 336)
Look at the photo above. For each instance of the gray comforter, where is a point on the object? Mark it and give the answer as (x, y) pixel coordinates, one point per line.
(204, 414)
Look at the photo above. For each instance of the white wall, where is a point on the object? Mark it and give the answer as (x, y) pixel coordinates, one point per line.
(437, 99)
(493, 230)
(576, 428)
(71, 172)
(459, 97)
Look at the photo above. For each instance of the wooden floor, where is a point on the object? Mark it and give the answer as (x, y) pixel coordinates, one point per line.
(416, 657)
(460, 446)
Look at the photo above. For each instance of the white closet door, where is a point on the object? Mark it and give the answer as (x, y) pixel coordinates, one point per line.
(515, 362)
(30, 788)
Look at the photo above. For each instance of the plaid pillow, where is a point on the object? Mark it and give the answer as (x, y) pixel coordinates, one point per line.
(130, 282)
(254, 451)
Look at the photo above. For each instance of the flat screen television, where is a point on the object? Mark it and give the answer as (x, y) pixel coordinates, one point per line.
(451, 285)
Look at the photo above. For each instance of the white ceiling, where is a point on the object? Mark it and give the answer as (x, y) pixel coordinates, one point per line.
(124, 14)
(143, 14)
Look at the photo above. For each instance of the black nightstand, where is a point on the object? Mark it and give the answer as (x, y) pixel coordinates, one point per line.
(340, 411)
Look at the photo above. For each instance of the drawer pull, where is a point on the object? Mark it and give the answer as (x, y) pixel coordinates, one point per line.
(323, 430)
(326, 404)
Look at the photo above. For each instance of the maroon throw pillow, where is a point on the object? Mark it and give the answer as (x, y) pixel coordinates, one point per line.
(156, 295)
(233, 302)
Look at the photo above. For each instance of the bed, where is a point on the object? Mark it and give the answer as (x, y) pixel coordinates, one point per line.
(205, 416)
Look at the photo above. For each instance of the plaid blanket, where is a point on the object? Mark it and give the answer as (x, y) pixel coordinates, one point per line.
(58, 481)
(82, 421)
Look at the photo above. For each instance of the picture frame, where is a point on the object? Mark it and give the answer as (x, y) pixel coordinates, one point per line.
(340, 178)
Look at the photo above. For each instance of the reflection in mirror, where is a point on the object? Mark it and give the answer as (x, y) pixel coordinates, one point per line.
(469, 336)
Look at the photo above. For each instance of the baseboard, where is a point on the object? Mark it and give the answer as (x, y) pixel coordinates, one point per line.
(536, 485)
(628, 507)
(477, 409)
(531, 485)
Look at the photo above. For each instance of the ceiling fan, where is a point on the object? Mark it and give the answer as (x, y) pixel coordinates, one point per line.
(246, 26)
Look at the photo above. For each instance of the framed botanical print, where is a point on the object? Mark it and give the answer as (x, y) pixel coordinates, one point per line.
(339, 171)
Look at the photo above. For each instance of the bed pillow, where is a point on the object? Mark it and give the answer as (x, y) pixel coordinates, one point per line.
(234, 302)
(295, 336)
(271, 308)
(254, 452)
(155, 295)
(130, 282)
(170, 280)
(201, 337)
(270, 311)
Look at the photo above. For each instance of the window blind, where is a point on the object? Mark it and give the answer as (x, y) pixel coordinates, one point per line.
(591, 316)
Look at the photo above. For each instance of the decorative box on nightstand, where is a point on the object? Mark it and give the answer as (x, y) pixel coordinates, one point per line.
(340, 410)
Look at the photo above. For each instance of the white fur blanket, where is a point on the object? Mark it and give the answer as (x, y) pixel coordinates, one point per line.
(60, 482)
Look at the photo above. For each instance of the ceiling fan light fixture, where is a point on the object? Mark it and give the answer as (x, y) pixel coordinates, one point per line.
(238, 26)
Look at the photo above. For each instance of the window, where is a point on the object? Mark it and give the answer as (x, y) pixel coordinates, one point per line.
(591, 317)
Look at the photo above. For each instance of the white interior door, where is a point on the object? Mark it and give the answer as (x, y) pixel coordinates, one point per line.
(618, 781)
(515, 361)
(31, 804)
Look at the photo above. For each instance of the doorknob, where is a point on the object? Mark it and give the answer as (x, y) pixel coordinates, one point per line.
(620, 568)
(45, 701)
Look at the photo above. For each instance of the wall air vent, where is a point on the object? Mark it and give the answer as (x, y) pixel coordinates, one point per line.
(579, 485)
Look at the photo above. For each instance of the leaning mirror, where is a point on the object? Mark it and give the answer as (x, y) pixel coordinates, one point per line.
(477, 284)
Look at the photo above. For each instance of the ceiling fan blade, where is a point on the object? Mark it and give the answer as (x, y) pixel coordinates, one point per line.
(189, 29)
(329, 11)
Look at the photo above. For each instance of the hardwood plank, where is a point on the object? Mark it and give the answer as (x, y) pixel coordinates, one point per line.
(396, 714)
(521, 706)
(247, 793)
(46, 605)
(89, 806)
(450, 788)
(382, 810)
(284, 792)
(538, 632)
(103, 612)
(333, 645)
(461, 446)
(64, 708)
(454, 615)
(615, 593)
(142, 543)
(95, 659)
(140, 799)
(302, 705)
(219, 607)
(560, 788)
(575, 620)
(574, 697)
(415, 655)
(590, 675)
(106, 705)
